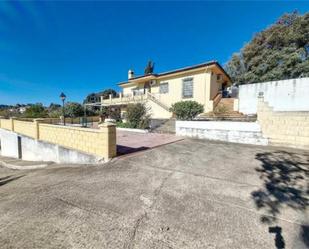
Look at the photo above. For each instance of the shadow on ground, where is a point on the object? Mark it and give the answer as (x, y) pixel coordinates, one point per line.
(123, 150)
(285, 178)
(7, 179)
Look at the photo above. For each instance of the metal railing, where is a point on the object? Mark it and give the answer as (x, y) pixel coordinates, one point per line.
(134, 97)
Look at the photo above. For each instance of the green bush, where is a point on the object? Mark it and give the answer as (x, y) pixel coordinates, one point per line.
(186, 110)
(123, 125)
(73, 109)
(111, 112)
(137, 116)
(35, 111)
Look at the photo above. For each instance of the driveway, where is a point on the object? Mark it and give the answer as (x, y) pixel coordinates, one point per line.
(130, 142)
(188, 194)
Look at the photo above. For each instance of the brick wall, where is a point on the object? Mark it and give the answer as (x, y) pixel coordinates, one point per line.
(25, 128)
(100, 142)
(284, 128)
(6, 124)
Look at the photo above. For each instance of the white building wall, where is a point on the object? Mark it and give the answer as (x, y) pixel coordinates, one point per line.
(284, 95)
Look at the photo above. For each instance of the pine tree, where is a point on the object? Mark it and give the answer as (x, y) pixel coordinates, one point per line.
(276, 53)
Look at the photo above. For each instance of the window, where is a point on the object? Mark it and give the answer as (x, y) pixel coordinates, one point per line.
(187, 88)
(164, 87)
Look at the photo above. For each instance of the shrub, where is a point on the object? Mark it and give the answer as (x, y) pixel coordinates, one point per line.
(73, 109)
(137, 116)
(111, 112)
(35, 111)
(123, 125)
(186, 110)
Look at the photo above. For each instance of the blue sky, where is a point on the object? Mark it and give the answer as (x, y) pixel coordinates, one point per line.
(83, 47)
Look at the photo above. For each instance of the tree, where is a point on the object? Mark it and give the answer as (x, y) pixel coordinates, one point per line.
(108, 92)
(73, 109)
(276, 53)
(91, 98)
(149, 68)
(54, 106)
(95, 97)
(35, 111)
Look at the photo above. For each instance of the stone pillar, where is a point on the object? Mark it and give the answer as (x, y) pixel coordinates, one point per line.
(108, 147)
(37, 127)
(110, 98)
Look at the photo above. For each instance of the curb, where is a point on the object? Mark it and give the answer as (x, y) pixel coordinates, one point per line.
(12, 166)
(133, 130)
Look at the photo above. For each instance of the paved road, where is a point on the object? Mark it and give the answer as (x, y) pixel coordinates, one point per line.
(189, 194)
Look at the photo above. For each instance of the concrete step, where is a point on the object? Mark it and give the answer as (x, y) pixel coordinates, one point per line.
(168, 127)
(225, 105)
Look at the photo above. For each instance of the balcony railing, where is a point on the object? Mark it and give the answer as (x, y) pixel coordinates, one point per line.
(136, 97)
(125, 99)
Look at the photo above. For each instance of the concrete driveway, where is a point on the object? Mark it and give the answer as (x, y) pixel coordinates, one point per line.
(129, 142)
(189, 194)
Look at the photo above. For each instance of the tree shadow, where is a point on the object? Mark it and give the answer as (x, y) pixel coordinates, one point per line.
(286, 184)
(279, 241)
(123, 150)
(7, 179)
(305, 234)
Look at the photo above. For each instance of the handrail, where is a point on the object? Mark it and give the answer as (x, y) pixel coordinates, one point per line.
(157, 101)
(216, 99)
(127, 98)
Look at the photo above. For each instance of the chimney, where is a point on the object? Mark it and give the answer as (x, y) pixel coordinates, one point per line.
(130, 74)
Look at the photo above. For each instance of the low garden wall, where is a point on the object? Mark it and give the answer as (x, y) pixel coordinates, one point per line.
(237, 132)
(99, 142)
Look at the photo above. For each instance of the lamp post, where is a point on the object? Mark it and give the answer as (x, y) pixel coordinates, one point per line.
(62, 97)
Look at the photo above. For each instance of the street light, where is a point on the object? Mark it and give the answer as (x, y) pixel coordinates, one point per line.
(62, 97)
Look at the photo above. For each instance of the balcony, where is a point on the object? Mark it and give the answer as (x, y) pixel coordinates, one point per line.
(137, 97)
(124, 99)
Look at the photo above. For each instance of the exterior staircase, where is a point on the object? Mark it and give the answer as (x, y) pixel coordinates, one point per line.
(225, 104)
(225, 111)
(158, 102)
(167, 126)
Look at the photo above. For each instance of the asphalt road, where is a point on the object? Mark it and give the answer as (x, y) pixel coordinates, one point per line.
(189, 194)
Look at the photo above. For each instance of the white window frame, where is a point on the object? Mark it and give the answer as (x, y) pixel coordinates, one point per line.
(164, 83)
(182, 92)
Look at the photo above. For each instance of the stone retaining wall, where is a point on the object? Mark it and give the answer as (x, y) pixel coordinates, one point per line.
(284, 128)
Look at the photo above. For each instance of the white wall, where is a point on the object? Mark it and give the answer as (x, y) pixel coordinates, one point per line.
(9, 144)
(35, 150)
(237, 132)
(284, 95)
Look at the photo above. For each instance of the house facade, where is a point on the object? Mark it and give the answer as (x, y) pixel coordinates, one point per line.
(202, 83)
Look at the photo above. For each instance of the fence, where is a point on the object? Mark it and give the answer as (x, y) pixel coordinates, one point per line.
(100, 142)
(78, 121)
